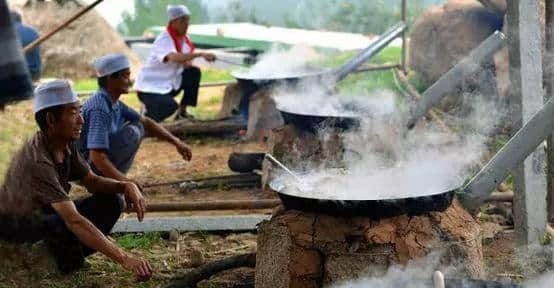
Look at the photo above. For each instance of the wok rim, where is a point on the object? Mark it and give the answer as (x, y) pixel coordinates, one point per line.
(240, 76)
(457, 189)
(284, 110)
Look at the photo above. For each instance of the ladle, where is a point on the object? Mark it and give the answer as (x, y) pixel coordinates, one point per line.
(303, 186)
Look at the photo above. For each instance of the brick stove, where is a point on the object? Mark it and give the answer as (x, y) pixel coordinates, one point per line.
(305, 249)
(302, 249)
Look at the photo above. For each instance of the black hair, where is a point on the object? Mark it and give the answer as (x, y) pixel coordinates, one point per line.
(40, 116)
(103, 81)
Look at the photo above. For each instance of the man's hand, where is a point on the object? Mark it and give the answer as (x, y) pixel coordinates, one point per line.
(210, 57)
(141, 268)
(184, 150)
(133, 195)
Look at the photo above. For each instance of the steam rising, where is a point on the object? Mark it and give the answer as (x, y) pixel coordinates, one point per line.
(312, 98)
(385, 161)
(280, 62)
(416, 274)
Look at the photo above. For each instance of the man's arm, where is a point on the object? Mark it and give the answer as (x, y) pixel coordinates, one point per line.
(156, 130)
(101, 161)
(98, 184)
(182, 58)
(89, 235)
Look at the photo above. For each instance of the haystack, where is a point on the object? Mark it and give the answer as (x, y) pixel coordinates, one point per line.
(70, 52)
(444, 34)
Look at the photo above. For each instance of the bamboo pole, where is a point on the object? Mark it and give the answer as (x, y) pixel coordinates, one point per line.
(47, 36)
(365, 68)
(212, 205)
(507, 196)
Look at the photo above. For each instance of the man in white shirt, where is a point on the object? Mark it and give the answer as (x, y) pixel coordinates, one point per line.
(169, 69)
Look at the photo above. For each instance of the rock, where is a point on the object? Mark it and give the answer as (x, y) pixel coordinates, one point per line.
(231, 100)
(262, 115)
(173, 235)
(196, 258)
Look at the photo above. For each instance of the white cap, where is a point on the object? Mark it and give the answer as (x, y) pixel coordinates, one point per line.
(53, 93)
(176, 11)
(110, 63)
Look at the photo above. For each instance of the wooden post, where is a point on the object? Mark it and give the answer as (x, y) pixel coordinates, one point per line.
(549, 85)
(404, 38)
(527, 97)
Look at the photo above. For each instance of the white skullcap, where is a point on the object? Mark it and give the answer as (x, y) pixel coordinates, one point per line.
(53, 93)
(176, 11)
(110, 64)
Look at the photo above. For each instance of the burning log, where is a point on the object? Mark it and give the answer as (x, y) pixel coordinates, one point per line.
(233, 181)
(206, 271)
(183, 128)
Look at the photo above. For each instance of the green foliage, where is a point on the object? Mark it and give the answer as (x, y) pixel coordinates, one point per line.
(85, 85)
(203, 235)
(153, 13)
(357, 16)
(139, 241)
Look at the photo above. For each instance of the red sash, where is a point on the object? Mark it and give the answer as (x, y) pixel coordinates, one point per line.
(178, 40)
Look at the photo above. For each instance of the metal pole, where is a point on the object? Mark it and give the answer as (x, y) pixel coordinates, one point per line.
(404, 37)
(548, 68)
(366, 54)
(45, 37)
(455, 76)
(523, 143)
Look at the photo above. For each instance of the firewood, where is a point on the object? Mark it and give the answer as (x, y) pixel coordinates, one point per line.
(191, 278)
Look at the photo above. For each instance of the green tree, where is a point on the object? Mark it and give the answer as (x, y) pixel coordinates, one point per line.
(358, 16)
(149, 13)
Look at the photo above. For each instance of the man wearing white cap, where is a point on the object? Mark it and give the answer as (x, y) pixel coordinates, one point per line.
(34, 199)
(112, 131)
(168, 69)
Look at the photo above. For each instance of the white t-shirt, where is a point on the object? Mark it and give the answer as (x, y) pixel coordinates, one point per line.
(157, 76)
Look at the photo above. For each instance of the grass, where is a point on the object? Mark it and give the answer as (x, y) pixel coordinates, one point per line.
(18, 124)
(139, 241)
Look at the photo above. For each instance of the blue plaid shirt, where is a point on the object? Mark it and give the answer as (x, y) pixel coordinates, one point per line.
(102, 120)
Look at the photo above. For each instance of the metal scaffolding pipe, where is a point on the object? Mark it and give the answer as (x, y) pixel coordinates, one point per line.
(366, 54)
(454, 77)
(523, 143)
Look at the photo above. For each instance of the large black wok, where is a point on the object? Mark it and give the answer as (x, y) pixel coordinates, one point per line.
(373, 208)
(250, 84)
(472, 195)
(313, 123)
